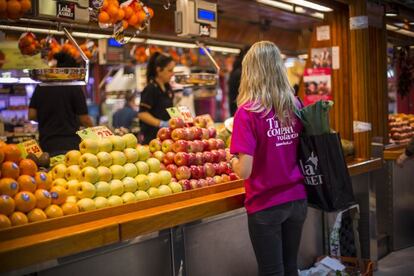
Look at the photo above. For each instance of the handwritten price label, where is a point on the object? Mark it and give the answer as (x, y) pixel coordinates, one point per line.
(30, 146)
(186, 114)
(174, 112)
(95, 133)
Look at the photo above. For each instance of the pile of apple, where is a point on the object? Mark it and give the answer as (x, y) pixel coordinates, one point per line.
(110, 172)
(192, 154)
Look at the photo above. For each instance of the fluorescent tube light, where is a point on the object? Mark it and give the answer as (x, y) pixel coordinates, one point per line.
(391, 27)
(310, 5)
(398, 30)
(170, 43)
(276, 4)
(88, 35)
(224, 49)
(391, 14)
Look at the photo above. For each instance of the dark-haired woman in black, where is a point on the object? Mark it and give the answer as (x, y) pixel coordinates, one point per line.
(157, 96)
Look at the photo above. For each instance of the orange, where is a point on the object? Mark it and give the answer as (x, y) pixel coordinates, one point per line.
(12, 152)
(13, 7)
(25, 201)
(4, 222)
(121, 14)
(133, 20)
(6, 205)
(141, 16)
(2, 143)
(104, 5)
(151, 12)
(124, 24)
(70, 208)
(18, 218)
(27, 183)
(28, 167)
(59, 195)
(114, 2)
(128, 12)
(3, 6)
(112, 11)
(54, 211)
(8, 186)
(43, 198)
(26, 5)
(36, 215)
(43, 181)
(10, 169)
(103, 17)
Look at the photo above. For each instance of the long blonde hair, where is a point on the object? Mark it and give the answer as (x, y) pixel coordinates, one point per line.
(264, 82)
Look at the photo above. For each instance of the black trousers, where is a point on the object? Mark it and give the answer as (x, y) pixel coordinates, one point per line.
(275, 234)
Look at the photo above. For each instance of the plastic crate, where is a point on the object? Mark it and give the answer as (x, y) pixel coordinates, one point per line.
(352, 267)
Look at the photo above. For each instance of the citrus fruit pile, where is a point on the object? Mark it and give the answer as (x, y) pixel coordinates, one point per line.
(14, 9)
(29, 44)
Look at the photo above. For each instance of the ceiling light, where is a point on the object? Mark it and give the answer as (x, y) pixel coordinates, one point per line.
(391, 27)
(310, 5)
(391, 14)
(170, 43)
(276, 4)
(224, 49)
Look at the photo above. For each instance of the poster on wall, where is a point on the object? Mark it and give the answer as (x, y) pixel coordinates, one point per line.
(321, 57)
(317, 85)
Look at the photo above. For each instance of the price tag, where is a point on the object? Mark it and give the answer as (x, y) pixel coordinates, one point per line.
(174, 112)
(186, 114)
(94, 132)
(30, 146)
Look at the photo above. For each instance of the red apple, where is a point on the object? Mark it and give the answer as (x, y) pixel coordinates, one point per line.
(221, 144)
(205, 134)
(185, 183)
(181, 159)
(202, 171)
(195, 172)
(164, 133)
(180, 146)
(216, 156)
(179, 134)
(199, 158)
(198, 133)
(169, 158)
(162, 167)
(206, 145)
(217, 168)
(202, 183)
(198, 146)
(209, 169)
(166, 145)
(224, 167)
(191, 146)
(155, 145)
(189, 134)
(233, 176)
(212, 132)
(223, 154)
(176, 123)
(207, 157)
(194, 183)
(225, 178)
(212, 143)
(200, 122)
(192, 159)
(172, 168)
(210, 181)
(183, 172)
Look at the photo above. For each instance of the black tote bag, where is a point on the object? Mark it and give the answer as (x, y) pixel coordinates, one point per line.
(323, 165)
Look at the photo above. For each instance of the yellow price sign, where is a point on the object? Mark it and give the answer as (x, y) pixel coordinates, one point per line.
(174, 112)
(95, 133)
(30, 146)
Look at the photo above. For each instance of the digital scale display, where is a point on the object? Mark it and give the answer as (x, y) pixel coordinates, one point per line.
(206, 15)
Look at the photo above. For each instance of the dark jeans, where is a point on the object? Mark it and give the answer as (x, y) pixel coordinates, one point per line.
(275, 234)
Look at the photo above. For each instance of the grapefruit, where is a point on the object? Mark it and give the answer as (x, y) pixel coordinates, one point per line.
(10, 169)
(25, 201)
(28, 167)
(8, 186)
(43, 181)
(43, 198)
(7, 205)
(59, 195)
(27, 183)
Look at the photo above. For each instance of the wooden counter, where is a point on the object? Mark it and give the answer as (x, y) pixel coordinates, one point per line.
(38, 242)
(392, 152)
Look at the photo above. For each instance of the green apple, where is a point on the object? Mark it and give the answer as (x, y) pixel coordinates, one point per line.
(59, 171)
(72, 157)
(117, 142)
(143, 152)
(72, 199)
(73, 172)
(164, 190)
(118, 171)
(89, 174)
(105, 159)
(103, 189)
(117, 187)
(130, 184)
(130, 170)
(159, 155)
(87, 190)
(115, 200)
(86, 204)
(89, 146)
(154, 179)
(154, 164)
(73, 187)
(131, 155)
(141, 195)
(105, 145)
(128, 197)
(142, 167)
(153, 192)
(101, 202)
(118, 158)
(165, 177)
(88, 160)
(104, 173)
(142, 182)
(130, 139)
(175, 187)
(60, 182)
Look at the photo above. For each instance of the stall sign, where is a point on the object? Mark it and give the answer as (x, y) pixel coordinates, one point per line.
(317, 85)
(323, 33)
(65, 10)
(30, 146)
(182, 112)
(95, 133)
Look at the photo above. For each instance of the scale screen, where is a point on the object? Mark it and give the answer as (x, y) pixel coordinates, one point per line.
(206, 15)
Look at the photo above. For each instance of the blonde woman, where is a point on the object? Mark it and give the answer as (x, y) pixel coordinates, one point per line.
(265, 143)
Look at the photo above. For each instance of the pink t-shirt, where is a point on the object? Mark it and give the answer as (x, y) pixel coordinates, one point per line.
(276, 177)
